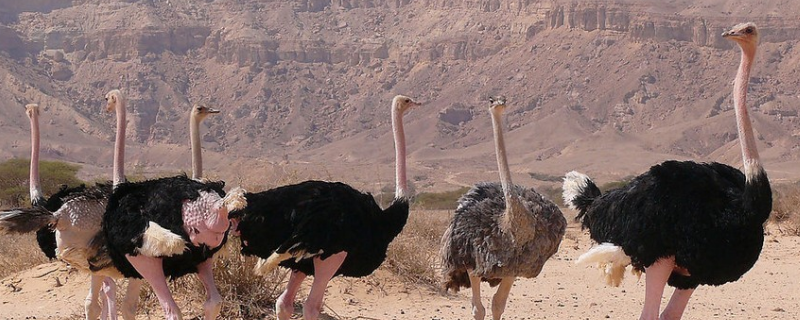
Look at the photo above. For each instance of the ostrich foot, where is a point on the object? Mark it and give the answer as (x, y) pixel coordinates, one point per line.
(677, 304)
(501, 297)
(213, 303)
(284, 307)
(324, 270)
(478, 311)
(91, 304)
(131, 299)
(656, 276)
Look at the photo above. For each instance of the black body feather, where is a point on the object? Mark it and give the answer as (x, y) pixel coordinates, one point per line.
(704, 214)
(133, 205)
(315, 216)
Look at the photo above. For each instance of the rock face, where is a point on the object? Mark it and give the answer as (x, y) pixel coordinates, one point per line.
(304, 77)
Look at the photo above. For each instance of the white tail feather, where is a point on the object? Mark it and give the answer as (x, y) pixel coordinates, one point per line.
(265, 266)
(235, 200)
(160, 242)
(574, 184)
(610, 259)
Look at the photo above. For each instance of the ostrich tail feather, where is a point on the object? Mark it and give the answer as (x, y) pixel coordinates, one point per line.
(610, 259)
(25, 220)
(579, 190)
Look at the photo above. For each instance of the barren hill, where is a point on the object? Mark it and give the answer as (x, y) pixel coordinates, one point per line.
(606, 87)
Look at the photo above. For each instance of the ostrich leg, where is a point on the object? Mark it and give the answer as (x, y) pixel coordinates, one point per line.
(677, 304)
(501, 297)
(109, 298)
(284, 306)
(323, 272)
(91, 304)
(131, 300)
(656, 277)
(152, 271)
(213, 299)
(478, 311)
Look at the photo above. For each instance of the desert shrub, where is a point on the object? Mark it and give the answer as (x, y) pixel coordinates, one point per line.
(545, 177)
(245, 294)
(439, 200)
(14, 173)
(414, 254)
(19, 252)
(614, 184)
(786, 208)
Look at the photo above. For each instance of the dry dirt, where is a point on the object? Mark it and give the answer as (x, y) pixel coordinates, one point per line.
(562, 291)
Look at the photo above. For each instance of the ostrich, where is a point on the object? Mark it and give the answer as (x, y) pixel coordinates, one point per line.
(683, 223)
(166, 227)
(66, 224)
(324, 228)
(196, 115)
(499, 231)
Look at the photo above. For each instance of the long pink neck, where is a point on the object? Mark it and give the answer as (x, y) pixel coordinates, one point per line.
(35, 185)
(752, 162)
(194, 139)
(401, 186)
(119, 144)
(502, 161)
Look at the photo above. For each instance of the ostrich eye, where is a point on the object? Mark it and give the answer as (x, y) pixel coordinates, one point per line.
(408, 100)
(106, 98)
(748, 30)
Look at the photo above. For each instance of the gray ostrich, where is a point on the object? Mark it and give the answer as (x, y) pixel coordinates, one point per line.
(500, 231)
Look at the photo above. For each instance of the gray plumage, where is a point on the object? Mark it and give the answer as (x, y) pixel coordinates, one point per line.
(25, 220)
(476, 239)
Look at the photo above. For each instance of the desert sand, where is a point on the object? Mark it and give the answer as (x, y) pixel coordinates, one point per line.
(562, 291)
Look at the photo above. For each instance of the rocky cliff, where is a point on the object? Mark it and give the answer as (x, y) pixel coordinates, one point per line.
(305, 80)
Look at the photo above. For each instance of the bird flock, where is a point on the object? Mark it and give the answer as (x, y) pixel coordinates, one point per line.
(681, 223)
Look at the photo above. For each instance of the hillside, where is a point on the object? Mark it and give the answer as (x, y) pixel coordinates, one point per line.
(305, 85)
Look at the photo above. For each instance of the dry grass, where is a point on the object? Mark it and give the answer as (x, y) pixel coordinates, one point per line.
(246, 296)
(19, 252)
(786, 208)
(414, 254)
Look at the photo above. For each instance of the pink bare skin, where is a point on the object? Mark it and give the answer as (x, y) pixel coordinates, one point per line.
(206, 226)
(152, 270)
(656, 277)
(324, 270)
(284, 306)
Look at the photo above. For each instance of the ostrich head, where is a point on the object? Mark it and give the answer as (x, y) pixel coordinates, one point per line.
(200, 111)
(746, 34)
(498, 104)
(403, 103)
(32, 110)
(113, 98)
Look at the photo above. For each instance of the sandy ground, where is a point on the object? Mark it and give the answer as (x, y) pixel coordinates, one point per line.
(563, 291)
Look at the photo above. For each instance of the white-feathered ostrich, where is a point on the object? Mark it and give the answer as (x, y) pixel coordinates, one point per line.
(682, 222)
(500, 231)
(324, 228)
(168, 227)
(73, 215)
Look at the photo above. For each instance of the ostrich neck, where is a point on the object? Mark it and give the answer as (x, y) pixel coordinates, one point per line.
(502, 162)
(752, 162)
(119, 144)
(35, 185)
(194, 137)
(514, 219)
(401, 187)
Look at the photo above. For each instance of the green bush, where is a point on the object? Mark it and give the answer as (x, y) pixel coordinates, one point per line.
(14, 184)
(439, 200)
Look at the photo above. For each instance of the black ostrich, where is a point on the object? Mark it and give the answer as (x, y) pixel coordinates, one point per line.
(683, 223)
(166, 227)
(323, 228)
(500, 231)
